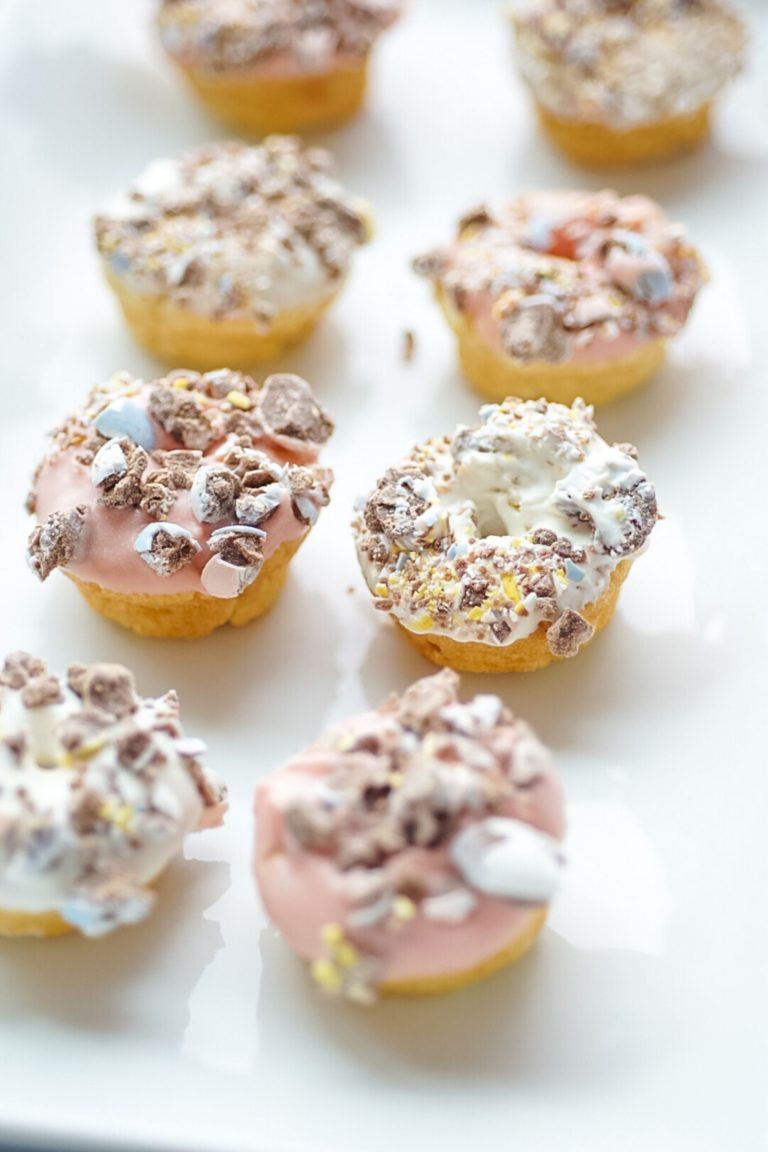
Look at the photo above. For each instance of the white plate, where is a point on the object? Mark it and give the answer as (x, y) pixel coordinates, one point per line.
(640, 1019)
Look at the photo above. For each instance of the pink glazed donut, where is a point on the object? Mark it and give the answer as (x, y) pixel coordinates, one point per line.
(175, 505)
(414, 849)
(564, 294)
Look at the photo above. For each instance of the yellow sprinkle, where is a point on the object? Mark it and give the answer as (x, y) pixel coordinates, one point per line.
(519, 609)
(509, 584)
(476, 613)
(422, 623)
(84, 752)
(404, 908)
(181, 382)
(326, 974)
(332, 934)
(618, 513)
(380, 589)
(120, 815)
(239, 400)
(346, 955)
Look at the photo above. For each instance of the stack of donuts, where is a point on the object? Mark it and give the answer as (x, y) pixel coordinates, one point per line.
(414, 848)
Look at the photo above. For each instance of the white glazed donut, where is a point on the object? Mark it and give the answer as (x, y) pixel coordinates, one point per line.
(228, 253)
(509, 530)
(98, 788)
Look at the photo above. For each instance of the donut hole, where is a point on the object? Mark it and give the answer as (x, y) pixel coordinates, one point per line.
(489, 521)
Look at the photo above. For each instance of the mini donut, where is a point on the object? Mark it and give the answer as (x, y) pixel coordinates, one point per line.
(175, 506)
(98, 788)
(564, 294)
(503, 547)
(229, 254)
(626, 81)
(276, 65)
(412, 850)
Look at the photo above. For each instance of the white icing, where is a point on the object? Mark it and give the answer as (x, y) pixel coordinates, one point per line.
(655, 59)
(450, 907)
(272, 264)
(37, 789)
(530, 759)
(509, 859)
(109, 461)
(528, 466)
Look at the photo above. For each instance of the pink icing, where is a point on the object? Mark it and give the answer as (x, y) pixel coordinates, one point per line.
(106, 555)
(304, 890)
(615, 271)
(599, 349)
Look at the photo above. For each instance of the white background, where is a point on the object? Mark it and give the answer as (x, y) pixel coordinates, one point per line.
(639, 1021)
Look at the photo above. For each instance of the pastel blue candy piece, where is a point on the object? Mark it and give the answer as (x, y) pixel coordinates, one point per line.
(654, 285)
(236, 530)
(124, 417)
(95, 920)
(573, 572)
(119, 263)
(632, 242)
(540, 232)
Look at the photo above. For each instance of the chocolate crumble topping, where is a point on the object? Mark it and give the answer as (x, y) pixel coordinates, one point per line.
(54, 543)
(568, 633)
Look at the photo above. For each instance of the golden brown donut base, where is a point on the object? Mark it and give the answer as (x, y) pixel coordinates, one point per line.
(597, 145)
(495, 376)
(190, 615)
(193, 340)
(38, 924)
(260, 103)
(526, 655)
(451, 982)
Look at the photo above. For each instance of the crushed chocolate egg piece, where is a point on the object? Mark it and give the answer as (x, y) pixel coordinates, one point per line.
(166, 548)
(288, 408)
(213, 494)
(180, 414)
(41, 691)
(19, 668)
(109, 687)
(568, 633)
(54, 544)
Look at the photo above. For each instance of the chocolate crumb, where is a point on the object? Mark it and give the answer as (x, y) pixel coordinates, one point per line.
(111, 688)
(54, 543)
(42, 691)
(288, 408)
(568, 633)
(19, 668)
(180, 414)
(76, 678)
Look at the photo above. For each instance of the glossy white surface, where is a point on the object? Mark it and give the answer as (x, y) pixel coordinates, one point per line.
(640, 1020)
